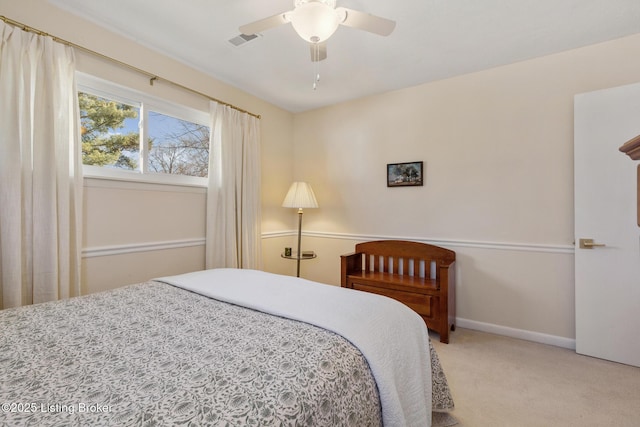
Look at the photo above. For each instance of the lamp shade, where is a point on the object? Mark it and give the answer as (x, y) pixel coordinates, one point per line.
(300, 195)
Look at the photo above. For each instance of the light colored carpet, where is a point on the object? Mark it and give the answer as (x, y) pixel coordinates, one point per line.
(499, 381)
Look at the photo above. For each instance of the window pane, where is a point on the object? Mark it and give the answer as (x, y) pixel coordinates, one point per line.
(109, 132)
(177, 146)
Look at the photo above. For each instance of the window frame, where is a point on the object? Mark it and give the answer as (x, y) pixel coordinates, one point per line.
(96, 86)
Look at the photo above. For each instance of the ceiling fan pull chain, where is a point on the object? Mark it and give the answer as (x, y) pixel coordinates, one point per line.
(316, 65)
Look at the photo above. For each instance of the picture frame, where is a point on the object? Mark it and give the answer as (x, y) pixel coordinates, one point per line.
(408, 174)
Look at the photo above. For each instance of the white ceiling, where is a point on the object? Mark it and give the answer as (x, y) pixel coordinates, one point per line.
(433, 39)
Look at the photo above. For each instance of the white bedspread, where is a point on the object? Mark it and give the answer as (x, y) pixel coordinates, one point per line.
(392, 337)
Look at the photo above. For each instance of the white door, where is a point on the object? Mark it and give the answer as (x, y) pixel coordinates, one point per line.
(607, 277)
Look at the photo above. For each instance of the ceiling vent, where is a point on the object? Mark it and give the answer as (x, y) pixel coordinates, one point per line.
(242, 39)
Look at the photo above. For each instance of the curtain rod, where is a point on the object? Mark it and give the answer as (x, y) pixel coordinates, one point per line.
(152, 77)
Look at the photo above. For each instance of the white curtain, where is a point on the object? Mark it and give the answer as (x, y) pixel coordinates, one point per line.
(233, 198)
(40, 170)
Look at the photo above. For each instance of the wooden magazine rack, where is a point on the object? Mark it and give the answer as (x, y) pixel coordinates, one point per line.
(418, 275)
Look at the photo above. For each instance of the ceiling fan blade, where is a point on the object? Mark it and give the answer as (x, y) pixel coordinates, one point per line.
(264, 24)
(318, 51)
(367, 22)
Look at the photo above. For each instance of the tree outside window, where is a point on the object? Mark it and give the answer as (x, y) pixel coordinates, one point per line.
(110, 133)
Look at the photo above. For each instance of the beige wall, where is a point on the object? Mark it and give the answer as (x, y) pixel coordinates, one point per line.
(498, 153)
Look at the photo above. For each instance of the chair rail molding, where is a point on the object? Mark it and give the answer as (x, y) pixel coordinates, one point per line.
(92, 252)
(505, 246)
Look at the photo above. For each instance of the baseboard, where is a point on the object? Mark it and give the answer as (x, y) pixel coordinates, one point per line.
(522, 334)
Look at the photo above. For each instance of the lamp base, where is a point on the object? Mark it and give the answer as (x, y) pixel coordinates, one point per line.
(299, 240)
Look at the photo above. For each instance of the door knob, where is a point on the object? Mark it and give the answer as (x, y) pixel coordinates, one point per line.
(589, 244)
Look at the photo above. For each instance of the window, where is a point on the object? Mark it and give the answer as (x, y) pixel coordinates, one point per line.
(130, 135)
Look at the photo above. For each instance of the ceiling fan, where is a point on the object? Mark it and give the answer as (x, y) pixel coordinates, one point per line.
(316, 20)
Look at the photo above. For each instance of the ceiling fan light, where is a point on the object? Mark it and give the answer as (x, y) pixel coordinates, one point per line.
(330, 3)
(315, 22)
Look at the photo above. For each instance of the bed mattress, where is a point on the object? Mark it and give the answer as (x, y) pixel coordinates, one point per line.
(156, 354)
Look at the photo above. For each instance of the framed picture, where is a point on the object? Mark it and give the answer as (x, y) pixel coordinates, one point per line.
(404, 174)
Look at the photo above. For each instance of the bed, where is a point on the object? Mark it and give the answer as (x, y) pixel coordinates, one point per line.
(222, 347)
